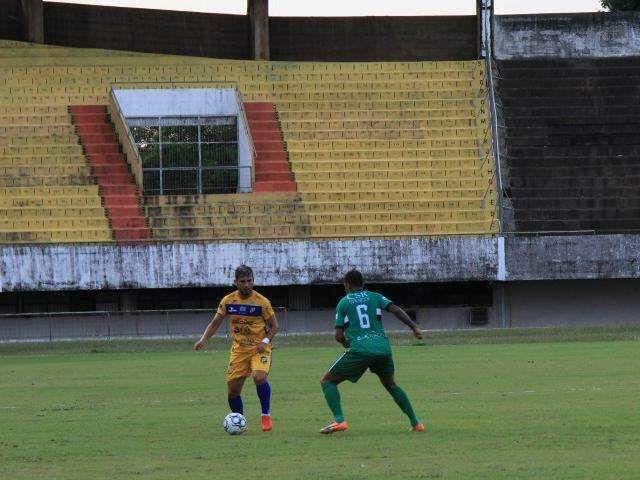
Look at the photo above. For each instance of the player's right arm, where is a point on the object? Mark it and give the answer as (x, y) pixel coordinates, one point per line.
(211, 329)
(401, 315)
(341, 339)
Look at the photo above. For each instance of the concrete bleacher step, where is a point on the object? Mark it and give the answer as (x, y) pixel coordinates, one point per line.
(511, 102)
(45, 180)
(575, 192)
(610, 203)
(326, 230)
(72, 235)
(40, 170)
(319, 218)
(580, 151)
(573, 140)
(595, 182)
(384, 114)
(572, 113)
(618, 225)
(570, 92)
(441, 194)
(599, 126)
(568, 67)
(580, 214)
(379, 124)
(89, 201)
(586, 119)
(35, 211)
(603, 170)
(630, 77)
(47, 224)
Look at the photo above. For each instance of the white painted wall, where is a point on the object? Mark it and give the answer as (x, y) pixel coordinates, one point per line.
(192, 102)
(167, 265)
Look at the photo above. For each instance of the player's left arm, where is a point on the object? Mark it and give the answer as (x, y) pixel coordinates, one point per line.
(401, 315)
(272, 329)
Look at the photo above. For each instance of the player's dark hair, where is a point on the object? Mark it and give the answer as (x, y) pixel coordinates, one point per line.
(354, 278)
(244, 271)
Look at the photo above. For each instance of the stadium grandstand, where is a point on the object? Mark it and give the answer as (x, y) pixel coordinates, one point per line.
(472, 181)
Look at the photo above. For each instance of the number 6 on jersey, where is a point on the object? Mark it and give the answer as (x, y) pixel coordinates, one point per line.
(362, 316)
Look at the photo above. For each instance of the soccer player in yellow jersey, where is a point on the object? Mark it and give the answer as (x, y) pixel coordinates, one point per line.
(253, 326)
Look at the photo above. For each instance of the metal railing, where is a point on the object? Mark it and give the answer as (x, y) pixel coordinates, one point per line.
(197, 180)
(487, 28)
(247, 131)
(104, 325)
(126, 139)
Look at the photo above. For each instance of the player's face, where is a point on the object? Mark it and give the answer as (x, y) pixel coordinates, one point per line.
(244, 285)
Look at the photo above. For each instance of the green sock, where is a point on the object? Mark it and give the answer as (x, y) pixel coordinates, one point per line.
(332, 395)
(405, 405)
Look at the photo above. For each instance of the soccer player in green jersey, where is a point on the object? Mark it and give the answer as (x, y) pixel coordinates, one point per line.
(359, 329)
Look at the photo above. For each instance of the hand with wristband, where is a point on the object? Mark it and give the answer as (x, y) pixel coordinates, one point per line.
(261, 346)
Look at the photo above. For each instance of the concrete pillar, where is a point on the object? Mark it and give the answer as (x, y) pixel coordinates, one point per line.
(484, 13)
(258, 11)
(479, 13)
(500, 312)
(32, 20)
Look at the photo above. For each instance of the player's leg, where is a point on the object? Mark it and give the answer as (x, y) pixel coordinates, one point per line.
(349, 366)
(234, 389)
(401, 398)
(239, 369)
(384, 368)
(260, 365)
(329, 385)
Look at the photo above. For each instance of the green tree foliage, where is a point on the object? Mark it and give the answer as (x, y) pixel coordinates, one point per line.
(621, 5)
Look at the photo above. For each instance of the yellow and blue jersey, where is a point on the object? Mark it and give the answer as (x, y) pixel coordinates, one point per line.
(248, 317)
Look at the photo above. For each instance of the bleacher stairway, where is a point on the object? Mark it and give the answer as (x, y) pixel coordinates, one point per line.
(572, 143)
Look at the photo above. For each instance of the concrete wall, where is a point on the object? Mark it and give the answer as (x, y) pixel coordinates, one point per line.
(229, 36)
(574, 35)
(62, 267)
(10, 23)
(153, 31)
(572, 257)
(448, 259)
(340, 39)
(573, 303)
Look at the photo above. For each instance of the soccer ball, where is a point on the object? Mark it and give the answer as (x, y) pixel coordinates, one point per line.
(235, 424)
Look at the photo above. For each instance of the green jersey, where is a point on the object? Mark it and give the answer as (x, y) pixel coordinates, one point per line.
(360, 314)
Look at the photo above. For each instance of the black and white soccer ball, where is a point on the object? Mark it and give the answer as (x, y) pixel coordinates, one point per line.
(235, 424)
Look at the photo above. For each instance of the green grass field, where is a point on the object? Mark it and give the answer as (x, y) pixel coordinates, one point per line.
(498, 405)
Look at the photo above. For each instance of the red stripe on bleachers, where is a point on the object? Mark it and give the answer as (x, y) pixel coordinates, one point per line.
(272, 169)
(117, 186)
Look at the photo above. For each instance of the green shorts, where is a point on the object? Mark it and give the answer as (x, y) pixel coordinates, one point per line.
(351, 365)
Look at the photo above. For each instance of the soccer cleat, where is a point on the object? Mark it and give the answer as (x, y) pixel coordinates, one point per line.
(418, 427)
(335, 427)
(267, 424)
